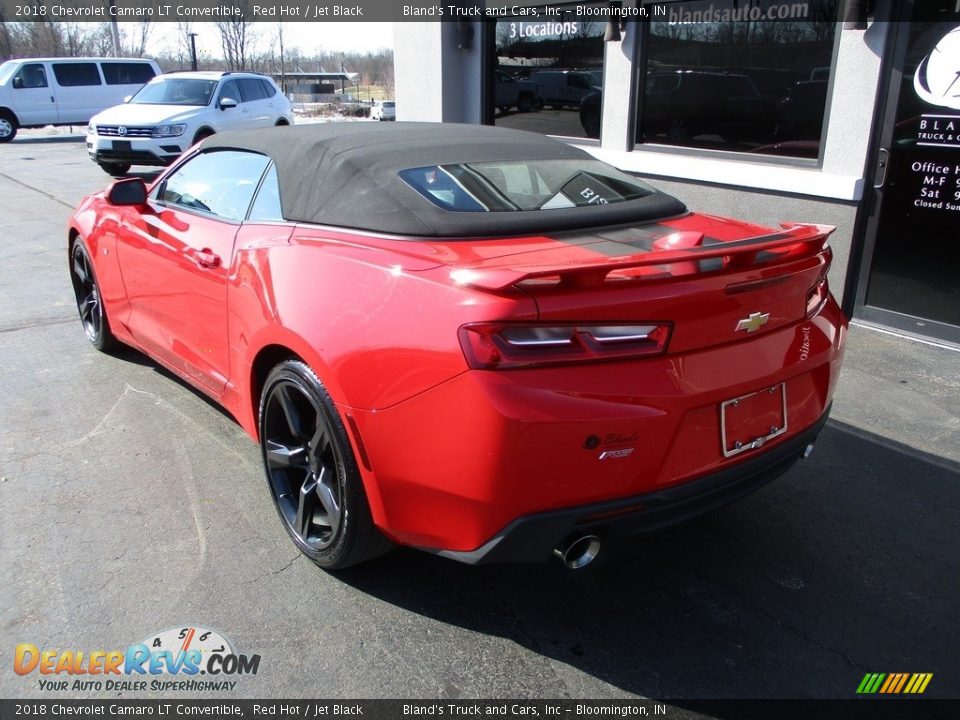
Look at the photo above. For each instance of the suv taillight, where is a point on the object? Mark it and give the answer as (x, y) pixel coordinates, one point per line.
(503, 346)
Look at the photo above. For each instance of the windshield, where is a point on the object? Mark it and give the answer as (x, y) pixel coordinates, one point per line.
(7, 70)
(175, 91)
(523, 185)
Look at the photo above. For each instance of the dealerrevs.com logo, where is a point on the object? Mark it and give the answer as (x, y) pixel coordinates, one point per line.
(174, 659)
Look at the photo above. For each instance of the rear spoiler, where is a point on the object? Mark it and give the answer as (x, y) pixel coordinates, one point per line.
(678, 247)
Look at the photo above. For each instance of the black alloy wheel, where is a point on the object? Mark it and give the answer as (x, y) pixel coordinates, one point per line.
(311, 471)
(89, 303)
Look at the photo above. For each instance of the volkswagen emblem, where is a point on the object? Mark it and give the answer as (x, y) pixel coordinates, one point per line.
(753, 322)
(122, 130)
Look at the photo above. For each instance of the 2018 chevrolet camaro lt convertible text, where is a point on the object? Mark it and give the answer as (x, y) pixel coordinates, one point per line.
(479, 342)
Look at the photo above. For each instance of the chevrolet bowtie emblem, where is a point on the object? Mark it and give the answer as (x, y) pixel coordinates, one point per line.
(753, 323)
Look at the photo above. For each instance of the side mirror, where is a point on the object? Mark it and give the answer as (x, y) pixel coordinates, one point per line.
(18, 83)
(129, 191)
(226, 103)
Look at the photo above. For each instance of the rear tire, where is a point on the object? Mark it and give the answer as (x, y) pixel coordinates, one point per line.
(8, 126)
(311, 472)
(525, 103)
(591, 123)
(115, 169)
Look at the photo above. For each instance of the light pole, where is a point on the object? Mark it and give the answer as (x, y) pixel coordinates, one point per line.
(193, 51)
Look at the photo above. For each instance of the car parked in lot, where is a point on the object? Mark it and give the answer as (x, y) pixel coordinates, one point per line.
(510, 92)
(565, 88)
(479, 342)
(383, 110)
(174, 111)
(35, 92)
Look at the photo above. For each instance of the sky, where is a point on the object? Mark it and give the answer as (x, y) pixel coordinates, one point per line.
(308, 36)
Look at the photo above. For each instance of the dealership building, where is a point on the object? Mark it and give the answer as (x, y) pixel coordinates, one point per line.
(839, 112)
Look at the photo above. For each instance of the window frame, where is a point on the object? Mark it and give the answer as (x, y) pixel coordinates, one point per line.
(58, 64)
(158, 190)
(223, 89)
(489, 54)
(639, 61)
(271, 167)
(104, 65)
(43, 70)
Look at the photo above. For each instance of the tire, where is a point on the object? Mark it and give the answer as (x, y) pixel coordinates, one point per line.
(525, 103)
(281, 123)
(591, 123)
(202, 135)
(115, 169)
(93, 316)
(8, 127)
(311, 472)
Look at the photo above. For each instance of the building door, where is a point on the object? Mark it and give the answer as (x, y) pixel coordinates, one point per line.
(910, 273)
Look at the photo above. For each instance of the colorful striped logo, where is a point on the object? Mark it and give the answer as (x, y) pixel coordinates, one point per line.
(894, 683)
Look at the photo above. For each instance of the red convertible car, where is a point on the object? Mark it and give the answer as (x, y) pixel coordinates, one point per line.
(479, 342)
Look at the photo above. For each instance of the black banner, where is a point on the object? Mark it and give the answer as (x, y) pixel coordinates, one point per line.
(317, 10)
(898, 708)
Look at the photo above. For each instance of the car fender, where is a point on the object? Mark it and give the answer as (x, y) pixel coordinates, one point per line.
(375, 334)
(96, 222)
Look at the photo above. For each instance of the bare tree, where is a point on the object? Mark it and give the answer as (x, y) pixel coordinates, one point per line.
(283, 79)
(236, 39)
(6, 38)
(135, 35)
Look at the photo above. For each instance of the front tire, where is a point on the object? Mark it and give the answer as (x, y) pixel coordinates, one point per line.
(115, 169)
(311, 472)
(8, 127)
(89, 302)
(202, 134)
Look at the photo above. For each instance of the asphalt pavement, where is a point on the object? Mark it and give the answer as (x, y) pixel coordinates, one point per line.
(130, 504)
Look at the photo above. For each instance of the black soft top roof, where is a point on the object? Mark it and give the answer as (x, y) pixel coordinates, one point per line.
(346, 174)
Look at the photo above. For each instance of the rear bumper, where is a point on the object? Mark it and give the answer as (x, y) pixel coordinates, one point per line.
(454, 468)
(533, 538)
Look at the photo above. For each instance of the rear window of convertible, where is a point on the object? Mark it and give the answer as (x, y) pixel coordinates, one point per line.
(523, 185)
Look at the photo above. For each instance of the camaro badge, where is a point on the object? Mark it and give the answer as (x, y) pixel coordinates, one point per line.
(753, 323)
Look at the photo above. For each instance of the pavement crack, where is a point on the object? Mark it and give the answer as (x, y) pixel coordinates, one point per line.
(29, 324)
(277, 572)
(37, 190)
(260, 577)
(801, 634)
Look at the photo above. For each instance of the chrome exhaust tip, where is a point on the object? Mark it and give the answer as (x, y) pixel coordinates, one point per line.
(807, 452)
(578, 552)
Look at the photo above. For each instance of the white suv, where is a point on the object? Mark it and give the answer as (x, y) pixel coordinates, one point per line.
(172, 112)
(383, 110)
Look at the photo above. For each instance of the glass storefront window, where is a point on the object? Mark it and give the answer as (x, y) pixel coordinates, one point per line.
(737, 75)
(548, 73)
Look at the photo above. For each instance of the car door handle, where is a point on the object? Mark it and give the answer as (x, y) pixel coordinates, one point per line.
(206, 258)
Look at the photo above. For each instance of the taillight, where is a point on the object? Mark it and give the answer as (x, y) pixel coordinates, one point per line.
(818, 294)
(502, 346)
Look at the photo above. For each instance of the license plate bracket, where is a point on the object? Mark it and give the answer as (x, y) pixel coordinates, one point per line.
(750, 421)
(121, 145)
